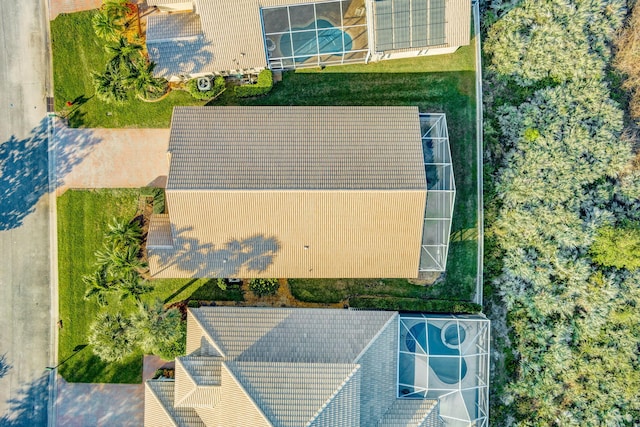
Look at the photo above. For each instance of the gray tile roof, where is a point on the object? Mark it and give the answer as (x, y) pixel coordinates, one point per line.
(291, 335)
(292, 394)
(296, 148)
(410, 412)
(173, 27)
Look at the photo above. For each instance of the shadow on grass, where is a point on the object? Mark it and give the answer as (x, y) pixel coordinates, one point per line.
(178, 291)
(89, 368)
(30, 408)
(24, 167)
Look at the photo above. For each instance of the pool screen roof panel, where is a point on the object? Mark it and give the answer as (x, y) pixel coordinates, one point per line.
(402, 24)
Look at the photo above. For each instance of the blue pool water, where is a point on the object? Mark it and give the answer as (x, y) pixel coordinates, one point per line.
(306, 44)
(445, 368)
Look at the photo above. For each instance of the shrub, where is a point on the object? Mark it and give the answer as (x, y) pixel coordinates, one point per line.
(263, 287)
(217, 88)
(159, 331)
(415, 305)
(262, 87)
(112, 338)
(617, 247)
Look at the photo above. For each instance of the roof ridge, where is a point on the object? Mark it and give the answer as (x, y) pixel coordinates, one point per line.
(335, 393)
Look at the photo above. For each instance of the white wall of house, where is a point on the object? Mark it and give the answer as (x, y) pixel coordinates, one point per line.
(410, 54)
(176, 7)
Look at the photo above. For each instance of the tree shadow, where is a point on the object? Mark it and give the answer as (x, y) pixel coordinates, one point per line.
(178, 291)
(5, 366)
(30, 407)
(189, 257)
(25, 173)
(180, 56)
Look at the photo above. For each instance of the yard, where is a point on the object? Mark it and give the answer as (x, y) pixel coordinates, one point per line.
(77, 52)
(434, 84)
(82, 221)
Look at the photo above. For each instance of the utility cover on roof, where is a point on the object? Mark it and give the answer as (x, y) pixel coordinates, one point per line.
(296, 148)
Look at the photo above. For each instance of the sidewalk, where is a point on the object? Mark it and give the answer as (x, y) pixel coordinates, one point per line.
(57, 7)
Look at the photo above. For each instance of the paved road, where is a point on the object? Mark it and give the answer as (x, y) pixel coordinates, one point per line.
(25, 316)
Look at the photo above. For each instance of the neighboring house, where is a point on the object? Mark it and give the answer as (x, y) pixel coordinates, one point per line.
(322, 367)
(304, 192)
(197, 37)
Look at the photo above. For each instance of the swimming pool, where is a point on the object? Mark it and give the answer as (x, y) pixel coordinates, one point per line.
(306, 42)
(449, 370)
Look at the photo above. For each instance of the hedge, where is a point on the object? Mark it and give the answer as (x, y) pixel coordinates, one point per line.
(416, 305)
(217, 88)
(158, 198)
(263, 86)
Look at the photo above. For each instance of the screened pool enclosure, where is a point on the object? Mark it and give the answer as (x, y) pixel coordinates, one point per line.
(446, 357)
(441, 192)
(315, 34)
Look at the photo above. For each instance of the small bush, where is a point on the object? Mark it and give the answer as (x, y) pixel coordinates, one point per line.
(217, 88)
(158, 198)
(262, 87)
(415, 305)
(263, 287)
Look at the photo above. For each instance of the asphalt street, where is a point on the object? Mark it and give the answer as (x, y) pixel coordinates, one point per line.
(25, 298)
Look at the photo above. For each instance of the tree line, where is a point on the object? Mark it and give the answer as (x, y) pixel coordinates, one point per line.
(563, 215)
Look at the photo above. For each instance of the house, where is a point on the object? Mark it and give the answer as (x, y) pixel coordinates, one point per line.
(304, 192)
(190, 38)
(322, 367)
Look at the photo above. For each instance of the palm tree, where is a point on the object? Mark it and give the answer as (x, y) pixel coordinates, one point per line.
(112, 338)
(98, 286)
(116, 9)
(159, 331)
(106, 27)
(144, 83)
(121, 261)
(123, 54)
(123, 233)
(110, 86)
(132, 286)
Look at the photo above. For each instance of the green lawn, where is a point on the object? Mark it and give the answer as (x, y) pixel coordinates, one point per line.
(82, 220)
(77, 51)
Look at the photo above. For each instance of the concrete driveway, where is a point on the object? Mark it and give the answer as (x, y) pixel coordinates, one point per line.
(81, 405)
(111, 158)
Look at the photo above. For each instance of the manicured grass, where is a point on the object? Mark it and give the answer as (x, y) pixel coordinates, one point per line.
(77, 51)
(82, 220)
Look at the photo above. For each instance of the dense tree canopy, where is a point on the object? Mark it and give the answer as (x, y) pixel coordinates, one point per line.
(561, 196)
(559, 40)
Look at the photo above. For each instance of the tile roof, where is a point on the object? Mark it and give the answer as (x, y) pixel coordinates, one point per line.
(291, 335)
(161, 2)
(181, 57)
(296, 148)
(163, 393)
(173, 27)
(293, 394)
(409, 412)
